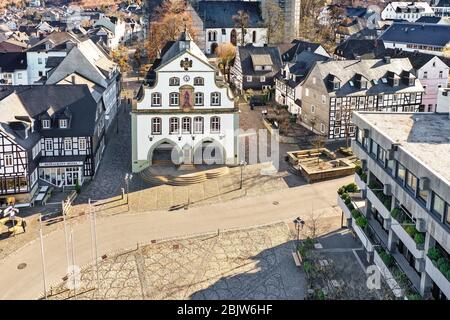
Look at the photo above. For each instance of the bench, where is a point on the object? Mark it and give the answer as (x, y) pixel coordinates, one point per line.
(22, 205)
(297, 259)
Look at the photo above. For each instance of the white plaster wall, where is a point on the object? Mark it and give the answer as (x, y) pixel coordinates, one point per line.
(261, 37)
(225, 137)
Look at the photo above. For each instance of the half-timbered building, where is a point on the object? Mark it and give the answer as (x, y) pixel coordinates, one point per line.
(49, 135)
(333, 89)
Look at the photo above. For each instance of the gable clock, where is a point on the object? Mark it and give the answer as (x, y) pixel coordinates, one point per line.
(186, 78)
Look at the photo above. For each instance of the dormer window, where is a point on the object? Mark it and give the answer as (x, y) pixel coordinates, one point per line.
(46, 124)
(63, 123)
(411, 81)
(396, 82)
(363, 84)
(336, 85)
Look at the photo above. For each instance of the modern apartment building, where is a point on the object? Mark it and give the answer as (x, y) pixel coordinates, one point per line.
(403, 219)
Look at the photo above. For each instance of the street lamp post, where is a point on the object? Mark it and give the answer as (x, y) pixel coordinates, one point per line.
(128, 178)
(42, 256)
(242, 164)
(299, 223)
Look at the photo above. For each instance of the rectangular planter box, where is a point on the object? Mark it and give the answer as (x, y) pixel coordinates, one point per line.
(378, 204)
(362, 236)
(387, 275)
(406, 239)
(343, 207)
(437, 276)
(359, 182)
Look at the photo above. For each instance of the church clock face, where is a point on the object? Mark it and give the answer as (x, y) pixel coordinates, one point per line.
(186, 78)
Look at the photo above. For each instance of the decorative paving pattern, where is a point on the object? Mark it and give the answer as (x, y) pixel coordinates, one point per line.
(248, 264)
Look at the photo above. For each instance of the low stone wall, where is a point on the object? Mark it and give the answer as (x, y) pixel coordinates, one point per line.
(333, 173)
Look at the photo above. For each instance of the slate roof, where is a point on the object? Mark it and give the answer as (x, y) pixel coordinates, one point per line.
(443, 3)
(23, 103)
(417, 59)
(297, 47)
(245, 55)
(418, 33)
(219, 14)
(371, 69)
(11, 61)
(364, 48)
(428, 19)
(301, 67)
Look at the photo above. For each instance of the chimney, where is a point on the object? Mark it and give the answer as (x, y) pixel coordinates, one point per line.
(387, 59)
(73, 79)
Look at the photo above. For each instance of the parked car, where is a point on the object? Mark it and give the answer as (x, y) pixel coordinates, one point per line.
(256, 102)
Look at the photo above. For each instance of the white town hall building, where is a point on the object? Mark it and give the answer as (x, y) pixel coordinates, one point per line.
(185, 114)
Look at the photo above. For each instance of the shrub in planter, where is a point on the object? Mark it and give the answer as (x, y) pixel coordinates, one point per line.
(352, 187)
(350, 206)
(387, 258)
(448, 275)
(348, 201)
(434, 254)
(358, 169)
(414, 296)
(355, 213)
(443, 265)
(308, 267)
(341, 191)
(419, 238)
(411, 230)
(361, 222)
(395, 213)
(387, 202)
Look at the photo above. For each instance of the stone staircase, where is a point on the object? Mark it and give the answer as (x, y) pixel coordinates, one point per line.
(182, 179)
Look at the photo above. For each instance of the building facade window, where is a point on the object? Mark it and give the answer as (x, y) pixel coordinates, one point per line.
(198, 99)
(249, 78)
(438, 205)
(45, 124)
(322, 128)
(313, 109)
(199, 81)
(174, 98)
(198, 125)
(156, 125)
(9, 160)
(82, 144)
(49, 145)
(174, 126)
(174, 81)
(156, 99)
(215, 124)
(411, 182)
(63, 123)
(401, 173)
(374, 149)
(68, 144)
(262, 79)
(186, 125)
(215, 99)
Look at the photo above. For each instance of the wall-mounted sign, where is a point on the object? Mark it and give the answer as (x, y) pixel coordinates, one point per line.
(61, 164)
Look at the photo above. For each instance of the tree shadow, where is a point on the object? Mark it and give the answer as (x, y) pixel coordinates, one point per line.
(271, 274)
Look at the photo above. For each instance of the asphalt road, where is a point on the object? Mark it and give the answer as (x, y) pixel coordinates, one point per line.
(115, 233)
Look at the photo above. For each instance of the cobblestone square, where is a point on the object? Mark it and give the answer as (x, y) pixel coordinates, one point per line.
(249, 264)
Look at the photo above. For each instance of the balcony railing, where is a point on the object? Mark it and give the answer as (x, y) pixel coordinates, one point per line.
(437, 267)
(375, 201)
(406, 231)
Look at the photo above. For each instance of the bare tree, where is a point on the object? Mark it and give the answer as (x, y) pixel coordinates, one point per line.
(225, 54)
(242, 21)
(274, 21)
(318, 143)
(171, 18)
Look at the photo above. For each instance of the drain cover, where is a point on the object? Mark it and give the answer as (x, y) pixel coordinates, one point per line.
(275, 203)
(22, 266)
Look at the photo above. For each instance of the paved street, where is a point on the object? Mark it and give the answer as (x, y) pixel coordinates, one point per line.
(247, 264)
(118, 232)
